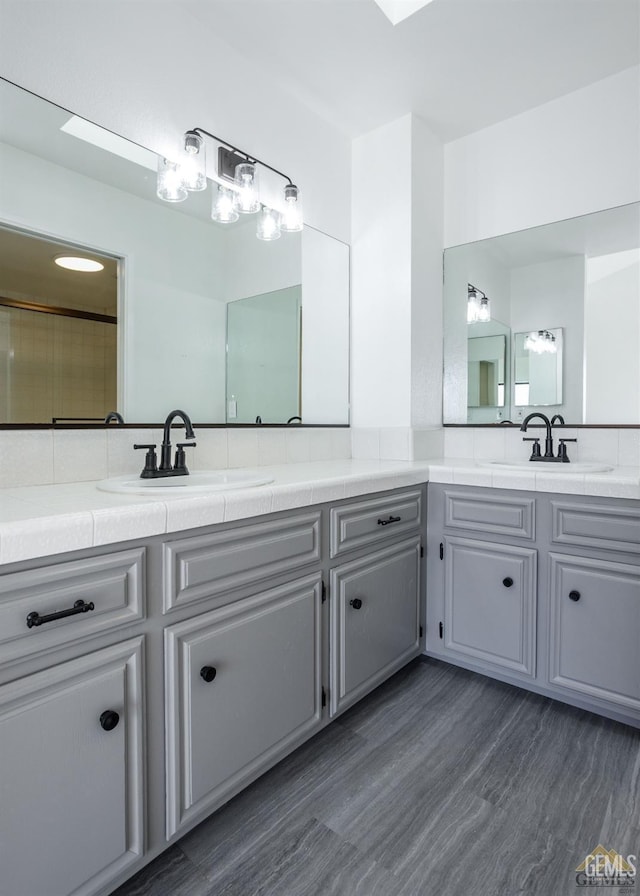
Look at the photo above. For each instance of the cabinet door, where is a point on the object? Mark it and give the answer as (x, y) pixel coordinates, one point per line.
(595, 628)
(374, 620)
(71, 777)
(490, 603)
(243, 688)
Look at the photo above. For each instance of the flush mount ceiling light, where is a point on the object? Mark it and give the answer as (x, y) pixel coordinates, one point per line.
(78, 263)
(478, 305)
(237, 189)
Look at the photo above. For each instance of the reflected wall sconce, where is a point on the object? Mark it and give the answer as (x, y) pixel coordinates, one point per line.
(478, 305)
(541, 342)
(237, 191)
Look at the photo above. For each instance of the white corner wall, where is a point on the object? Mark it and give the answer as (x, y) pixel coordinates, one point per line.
(569, 157)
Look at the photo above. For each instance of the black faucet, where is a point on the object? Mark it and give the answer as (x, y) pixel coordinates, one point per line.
(548, 442)
(114, 416)
(151, 469)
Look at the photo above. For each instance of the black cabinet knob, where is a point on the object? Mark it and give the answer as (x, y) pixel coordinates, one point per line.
(574, 595)
(109, 719)
(208, 673)
(508, 582)
(356, 603)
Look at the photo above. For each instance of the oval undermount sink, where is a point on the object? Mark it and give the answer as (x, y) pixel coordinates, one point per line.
(546, 467)
(200, 483)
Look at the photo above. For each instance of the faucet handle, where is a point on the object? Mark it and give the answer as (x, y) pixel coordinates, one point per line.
(180, 460)
(535, 449)
(562, 449)
(150, 461)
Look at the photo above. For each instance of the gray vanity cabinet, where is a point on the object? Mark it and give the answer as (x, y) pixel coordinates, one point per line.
(539, 590)
(71, 779)
(594, 632)
(490, 603)
(375, 624)
(243, 688)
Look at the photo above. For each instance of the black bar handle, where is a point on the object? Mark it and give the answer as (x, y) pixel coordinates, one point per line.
(392, 519)
(35, 619)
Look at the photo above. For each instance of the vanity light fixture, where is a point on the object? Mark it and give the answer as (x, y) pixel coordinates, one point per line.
(478, 305)
(79, 263)
(541, 342)
(237, 188)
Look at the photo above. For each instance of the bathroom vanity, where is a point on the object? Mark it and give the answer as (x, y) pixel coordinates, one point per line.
(144, 683)
(541, 590)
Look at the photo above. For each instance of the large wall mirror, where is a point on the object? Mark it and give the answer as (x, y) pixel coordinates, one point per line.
(565, 298)
(185, 312)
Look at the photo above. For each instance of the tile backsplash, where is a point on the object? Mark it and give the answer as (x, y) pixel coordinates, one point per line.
(41, 457)
(619, 447)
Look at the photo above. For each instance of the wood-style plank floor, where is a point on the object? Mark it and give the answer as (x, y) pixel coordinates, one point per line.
(440, 782)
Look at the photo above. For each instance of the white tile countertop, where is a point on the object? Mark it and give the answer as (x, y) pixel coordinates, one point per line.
(41, 520)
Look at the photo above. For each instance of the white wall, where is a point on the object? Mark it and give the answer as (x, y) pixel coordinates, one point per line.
(149, 71)
(396, 364)
(568, 157)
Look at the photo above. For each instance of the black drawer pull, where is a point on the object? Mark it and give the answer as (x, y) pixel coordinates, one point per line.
(392, 519)
(356, 603)
(109, 719)
(35, 619)
(208, 673)
(508, 582)
(574, 595)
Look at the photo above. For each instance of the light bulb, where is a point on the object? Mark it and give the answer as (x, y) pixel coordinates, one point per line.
(170, 184)
(292, 214)
(247, 198)
(472, 306)
(224, 209)
(268, 225)
(484, 312)
(193, 163)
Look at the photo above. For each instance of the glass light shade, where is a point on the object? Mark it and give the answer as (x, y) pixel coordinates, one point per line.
(484, 311)
(224, 209)
(193, 169)
(170, 184)
(268, 225)
(292, 214)
(473, 306)
(542, 342)
(247, 196)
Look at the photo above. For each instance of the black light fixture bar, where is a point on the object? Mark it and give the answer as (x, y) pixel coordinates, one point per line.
(472, 288)
(240, 153)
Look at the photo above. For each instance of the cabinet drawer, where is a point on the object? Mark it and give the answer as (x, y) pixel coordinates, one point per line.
(374, 618)
(112, 585)
(595, 628)
(204, 566)
(366, 523)
(597, 526)
(71, 776)
(510, 516)
(243, 687)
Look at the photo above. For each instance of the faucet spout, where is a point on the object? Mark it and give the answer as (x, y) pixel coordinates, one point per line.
(165, 454)
(548, 443)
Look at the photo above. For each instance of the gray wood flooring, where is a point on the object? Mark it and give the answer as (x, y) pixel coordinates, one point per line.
(440, 782)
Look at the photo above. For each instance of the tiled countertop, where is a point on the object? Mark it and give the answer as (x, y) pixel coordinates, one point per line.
(41, 520)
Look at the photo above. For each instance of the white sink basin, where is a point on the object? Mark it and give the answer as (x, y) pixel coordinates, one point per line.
(200, 483)
(546, 467)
